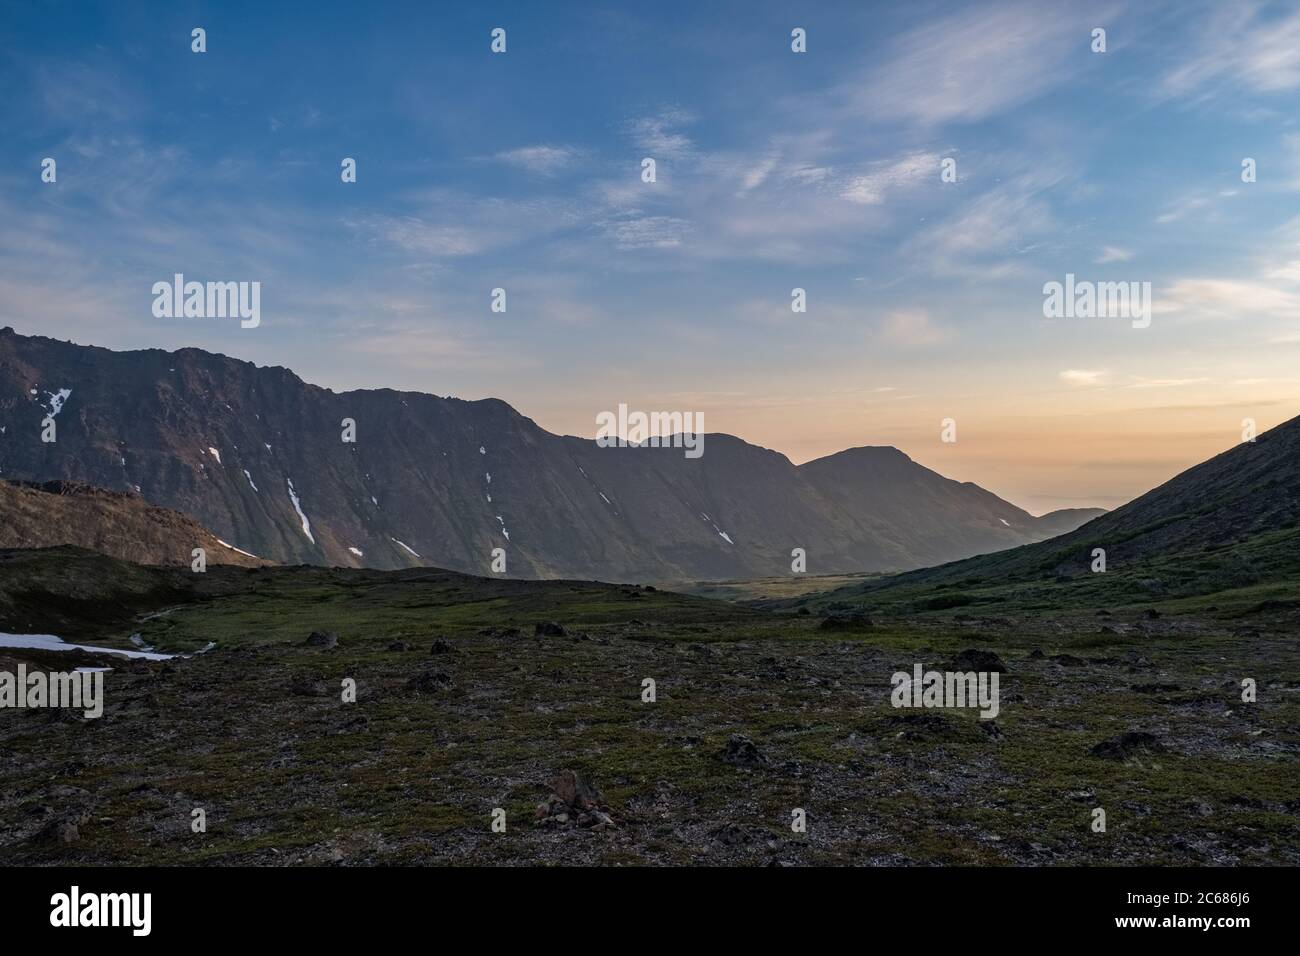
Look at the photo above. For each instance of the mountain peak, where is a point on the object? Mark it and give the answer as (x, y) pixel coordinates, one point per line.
(261, 458)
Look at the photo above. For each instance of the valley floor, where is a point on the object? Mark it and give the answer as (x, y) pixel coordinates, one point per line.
(256, 734)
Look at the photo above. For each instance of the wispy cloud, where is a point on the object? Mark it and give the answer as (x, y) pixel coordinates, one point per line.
(1182, 208)
(451, 225)
(1244, 44)
(1227, 298)
(988, 235)
(661, 136)
(543, 160)
(872, 187)
(1085, 377)
(659, 232)
(972, 64)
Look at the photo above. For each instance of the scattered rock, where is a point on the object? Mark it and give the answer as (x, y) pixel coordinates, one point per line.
(918, 726)
(1155, 688)
(63, 830)
(430, 681)
(1068, 660)
(549, 629)
(1127, 745)
(356, 722)
(575, 802)
(575, 791)
(733, 834)
(326, 639)
(306, 687)
(974, 659)
(742, 752)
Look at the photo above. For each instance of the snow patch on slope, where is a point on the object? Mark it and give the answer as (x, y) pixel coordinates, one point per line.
(297, 506)
(57, 400)
(233, 548)
(406, 546)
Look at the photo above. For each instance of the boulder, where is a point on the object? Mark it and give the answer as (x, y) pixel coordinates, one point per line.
(974, 659)
(326, 639)
(743, 752)
(430, 681)
(574, 803)
(1127, 745)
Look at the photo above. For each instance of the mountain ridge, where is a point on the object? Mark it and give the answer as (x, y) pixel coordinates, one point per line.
(1229, 523)
(256, 454)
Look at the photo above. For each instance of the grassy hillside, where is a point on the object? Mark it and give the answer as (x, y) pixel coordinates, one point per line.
(1225, 531)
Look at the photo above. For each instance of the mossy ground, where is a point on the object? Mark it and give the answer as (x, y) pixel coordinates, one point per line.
(255, 732)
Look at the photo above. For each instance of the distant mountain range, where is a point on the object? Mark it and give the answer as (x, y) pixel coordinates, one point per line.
(1228, 525)
(257, 456)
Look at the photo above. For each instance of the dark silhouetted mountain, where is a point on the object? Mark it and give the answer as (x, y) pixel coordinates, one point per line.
(256, 455)
(1229, 523)
(1064, 520)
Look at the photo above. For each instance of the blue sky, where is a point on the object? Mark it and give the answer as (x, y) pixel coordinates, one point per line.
(775, 170)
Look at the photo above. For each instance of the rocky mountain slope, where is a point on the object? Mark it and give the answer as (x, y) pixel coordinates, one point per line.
(257, 455)
(1231, 523)
(117, 523)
